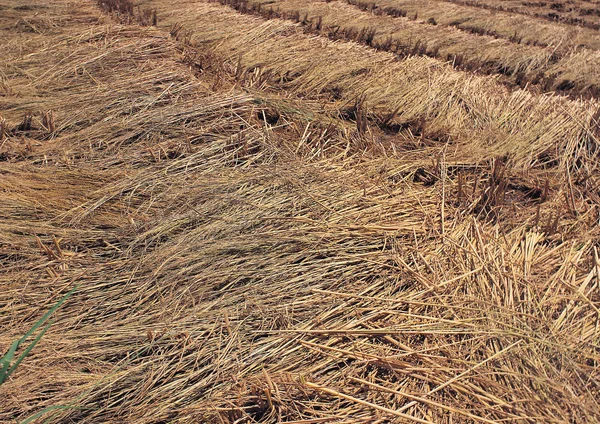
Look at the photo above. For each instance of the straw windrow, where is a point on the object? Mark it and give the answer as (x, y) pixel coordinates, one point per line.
(477, 17)
(550, 67)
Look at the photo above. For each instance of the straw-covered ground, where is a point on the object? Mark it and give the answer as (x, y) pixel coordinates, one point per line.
(268, 225)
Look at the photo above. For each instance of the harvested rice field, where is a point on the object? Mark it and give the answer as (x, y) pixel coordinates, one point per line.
(299, 211)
